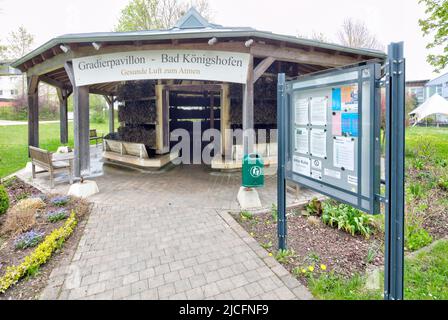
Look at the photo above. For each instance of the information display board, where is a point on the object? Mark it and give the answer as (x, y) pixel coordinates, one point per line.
(334, 135)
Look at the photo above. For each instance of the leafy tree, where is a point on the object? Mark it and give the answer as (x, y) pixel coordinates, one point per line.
(355, 34)
(436, 25)
(157, 14)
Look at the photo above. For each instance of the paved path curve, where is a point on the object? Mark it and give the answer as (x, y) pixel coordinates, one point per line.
(168, 236)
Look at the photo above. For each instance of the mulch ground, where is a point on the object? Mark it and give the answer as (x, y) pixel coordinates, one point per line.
(315, 243)
(30, 288)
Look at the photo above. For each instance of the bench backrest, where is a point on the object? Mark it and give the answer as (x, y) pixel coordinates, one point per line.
(93, 133)
(40, 156)
(126, 148)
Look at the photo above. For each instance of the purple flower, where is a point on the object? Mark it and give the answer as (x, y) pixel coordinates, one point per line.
(28, 240)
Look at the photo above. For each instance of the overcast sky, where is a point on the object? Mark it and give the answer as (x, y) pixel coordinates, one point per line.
(390, 20)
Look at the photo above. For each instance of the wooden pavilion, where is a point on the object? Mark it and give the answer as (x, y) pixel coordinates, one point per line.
(227, 104)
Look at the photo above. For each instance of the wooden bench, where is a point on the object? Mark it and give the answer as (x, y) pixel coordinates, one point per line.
(94, 136)
(46, 161)
(134, 154)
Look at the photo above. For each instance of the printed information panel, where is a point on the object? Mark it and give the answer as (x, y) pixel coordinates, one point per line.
(334, 135)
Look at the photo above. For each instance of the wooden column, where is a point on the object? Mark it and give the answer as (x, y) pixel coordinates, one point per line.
(82, 130)
(110, 103)
(63, 95)
(33, 111)
(212, 110)
(226, 140)
(81, 125)
(248, 109)
(163, 120)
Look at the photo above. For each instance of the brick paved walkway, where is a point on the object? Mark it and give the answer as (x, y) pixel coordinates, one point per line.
(169, 236)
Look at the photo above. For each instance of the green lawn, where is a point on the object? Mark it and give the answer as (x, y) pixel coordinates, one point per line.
(426, 278)
(438, 138)
(14, 140)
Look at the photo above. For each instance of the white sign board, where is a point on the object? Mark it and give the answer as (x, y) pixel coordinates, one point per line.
(162, 64)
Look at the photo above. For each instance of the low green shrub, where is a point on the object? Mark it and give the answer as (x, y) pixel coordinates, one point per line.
(4, 200)
(348, 219)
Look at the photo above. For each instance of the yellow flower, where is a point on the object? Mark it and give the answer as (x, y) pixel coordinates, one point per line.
(252, 234)
(323, 267)
(303, 270)
(311, 268)
(270, 254)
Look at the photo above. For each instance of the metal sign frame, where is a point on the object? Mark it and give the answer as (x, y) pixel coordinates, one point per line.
(370, 73)
(395, 146)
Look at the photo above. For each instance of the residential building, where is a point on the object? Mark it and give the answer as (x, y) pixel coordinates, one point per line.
(438, 85)
(418, 89)
(10, 84)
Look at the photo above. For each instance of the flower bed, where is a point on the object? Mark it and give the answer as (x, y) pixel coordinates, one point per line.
(31, 236)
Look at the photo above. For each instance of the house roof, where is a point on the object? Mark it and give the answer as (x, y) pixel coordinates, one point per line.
(191, 26)
(438, 81)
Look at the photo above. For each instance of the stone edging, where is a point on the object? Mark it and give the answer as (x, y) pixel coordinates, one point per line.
(299, 290)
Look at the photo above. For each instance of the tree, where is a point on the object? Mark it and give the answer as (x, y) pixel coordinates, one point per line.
(355, 34)
(19, 44)
(436, 25)
(157, 14)
(316, 36)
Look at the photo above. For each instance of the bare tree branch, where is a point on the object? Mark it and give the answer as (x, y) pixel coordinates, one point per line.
(355, 34)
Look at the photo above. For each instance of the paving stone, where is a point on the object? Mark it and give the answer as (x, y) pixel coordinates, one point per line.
(145, 243)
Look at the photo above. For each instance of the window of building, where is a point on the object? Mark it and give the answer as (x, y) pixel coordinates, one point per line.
(1, 93)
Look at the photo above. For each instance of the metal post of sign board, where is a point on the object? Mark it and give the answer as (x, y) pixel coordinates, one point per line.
(395, 146)
(281, 185)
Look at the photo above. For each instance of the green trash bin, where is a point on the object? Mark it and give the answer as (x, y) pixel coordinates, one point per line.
(253, 171)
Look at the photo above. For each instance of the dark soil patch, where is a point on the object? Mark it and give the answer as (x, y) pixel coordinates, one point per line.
(315, 243)
(30, 288)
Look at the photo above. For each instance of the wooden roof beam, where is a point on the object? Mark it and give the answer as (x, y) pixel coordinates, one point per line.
(262, 67)
(53, 82)
(300, 56)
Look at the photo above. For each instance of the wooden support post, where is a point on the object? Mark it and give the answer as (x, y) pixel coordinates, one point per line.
(226, 141)
(63, 95)
(212, 110)
(163, 120)
(110, 103)
(82, 130)
(81, 125)
(248, 110)
(33, 111)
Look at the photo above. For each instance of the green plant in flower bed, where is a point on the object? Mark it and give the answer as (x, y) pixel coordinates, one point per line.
(22, 196)
(28, 240)
(417, 237)
(246, 216)
(274, 213)
(314, 208)
(56, 216)
(285, 256)
(60, 201)
(443, 183)
(348, 219)
(416, 190)
(40, 255)
(4, 200)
